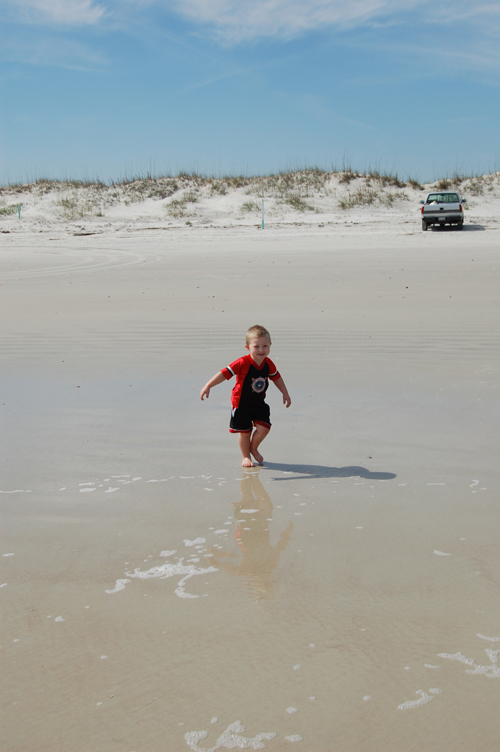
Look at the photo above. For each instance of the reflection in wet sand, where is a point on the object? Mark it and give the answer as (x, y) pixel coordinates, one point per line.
(259, 556)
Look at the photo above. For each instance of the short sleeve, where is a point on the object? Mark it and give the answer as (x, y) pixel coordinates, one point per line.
(232, 369)
(274, 374)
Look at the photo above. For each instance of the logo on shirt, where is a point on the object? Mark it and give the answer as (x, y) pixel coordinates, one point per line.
(259, 384)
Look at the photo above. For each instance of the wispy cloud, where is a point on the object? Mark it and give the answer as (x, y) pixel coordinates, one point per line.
(58, 12)
(235, 21)
(240, 20)
(473, 55)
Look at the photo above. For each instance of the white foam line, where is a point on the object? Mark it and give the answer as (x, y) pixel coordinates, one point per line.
(18, 490)
(88, 490)
(164, 572)
(195, 542)
(248, 511)
(435, 484)
(440, 553)
(162, 480)
(491, 671)
(230, 739)
(120, 585)
(425, 698)
(4, 585)
(457, 657)
(293, 738)
(111, 490)
(491, 639)
(8, 554)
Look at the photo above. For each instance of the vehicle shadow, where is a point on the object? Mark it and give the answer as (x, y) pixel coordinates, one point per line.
(298, 472)
(454, 228)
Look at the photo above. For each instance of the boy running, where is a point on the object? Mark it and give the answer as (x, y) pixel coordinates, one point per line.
(249, 411)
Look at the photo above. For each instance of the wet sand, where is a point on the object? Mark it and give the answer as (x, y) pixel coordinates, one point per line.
(342, 597)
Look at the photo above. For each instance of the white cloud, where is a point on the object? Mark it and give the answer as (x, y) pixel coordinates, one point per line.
(236, 20)
(60, 12)
(240, 20)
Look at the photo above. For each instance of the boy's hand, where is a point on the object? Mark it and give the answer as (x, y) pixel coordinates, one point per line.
(286, 400)
(219, 378)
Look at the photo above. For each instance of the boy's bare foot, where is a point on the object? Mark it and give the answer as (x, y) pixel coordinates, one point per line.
(257, 455)
(247, 462)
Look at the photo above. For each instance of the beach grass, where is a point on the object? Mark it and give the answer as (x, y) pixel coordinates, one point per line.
(309, 189)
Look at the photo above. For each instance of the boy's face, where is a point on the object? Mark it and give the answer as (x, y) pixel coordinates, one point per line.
(259, 349)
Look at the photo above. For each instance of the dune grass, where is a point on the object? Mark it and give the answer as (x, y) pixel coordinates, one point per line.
(299, 189)
(250, 206)
(11, 209)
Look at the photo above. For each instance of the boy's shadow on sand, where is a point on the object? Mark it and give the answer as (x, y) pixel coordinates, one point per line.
(302, 472)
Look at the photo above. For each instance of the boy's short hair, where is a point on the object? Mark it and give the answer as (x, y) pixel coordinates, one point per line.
(257, 331)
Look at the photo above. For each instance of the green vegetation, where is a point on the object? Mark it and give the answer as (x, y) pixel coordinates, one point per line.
(177, 207)
(12, 209)
(362, 197)
(250, 206)
(367, 196)
(474, 185)
(297, 203)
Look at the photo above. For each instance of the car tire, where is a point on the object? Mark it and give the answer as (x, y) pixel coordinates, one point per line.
(424, 226)
(460, 226)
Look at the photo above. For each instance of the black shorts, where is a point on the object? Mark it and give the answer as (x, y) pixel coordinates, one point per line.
(243, 420)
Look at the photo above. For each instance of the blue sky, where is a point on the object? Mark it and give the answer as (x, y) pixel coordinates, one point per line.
(112, 88)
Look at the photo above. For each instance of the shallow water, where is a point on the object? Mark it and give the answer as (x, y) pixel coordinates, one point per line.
(158, 597)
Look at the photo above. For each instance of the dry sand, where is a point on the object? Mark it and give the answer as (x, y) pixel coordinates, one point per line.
(345, 594)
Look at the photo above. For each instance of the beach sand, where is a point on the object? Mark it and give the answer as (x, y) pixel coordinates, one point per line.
(343, 597)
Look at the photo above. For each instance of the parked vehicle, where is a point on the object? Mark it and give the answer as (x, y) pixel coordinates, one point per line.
(443, 208)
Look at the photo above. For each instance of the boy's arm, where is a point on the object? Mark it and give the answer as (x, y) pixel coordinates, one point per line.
(284, 391)
(217, 379)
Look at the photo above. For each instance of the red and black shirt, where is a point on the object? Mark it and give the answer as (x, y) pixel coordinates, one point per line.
(251, 380)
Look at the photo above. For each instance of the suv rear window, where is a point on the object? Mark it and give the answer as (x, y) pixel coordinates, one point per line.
(443, 198)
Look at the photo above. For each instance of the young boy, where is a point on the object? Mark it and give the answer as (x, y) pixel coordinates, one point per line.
(249, 412)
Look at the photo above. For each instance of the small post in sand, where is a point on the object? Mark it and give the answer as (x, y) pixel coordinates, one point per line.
(262, 213)
(19, 210)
